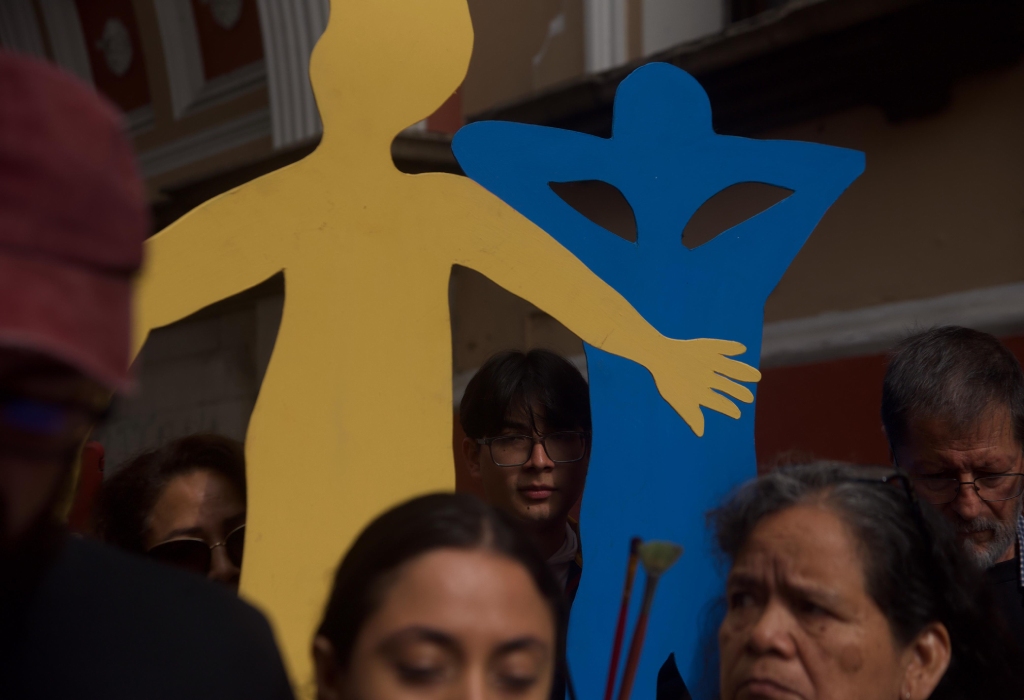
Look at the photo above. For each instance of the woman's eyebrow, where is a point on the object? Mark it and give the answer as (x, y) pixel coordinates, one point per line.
(815, 592)
(193, 531)
(744, 579)
(420, 633)
(519, 644)
(788, 586)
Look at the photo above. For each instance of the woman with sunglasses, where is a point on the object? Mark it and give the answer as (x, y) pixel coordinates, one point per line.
(441, 597)
(842, 585)
(183, 504)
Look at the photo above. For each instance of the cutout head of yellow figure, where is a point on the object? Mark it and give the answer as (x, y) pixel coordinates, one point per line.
(419, 57)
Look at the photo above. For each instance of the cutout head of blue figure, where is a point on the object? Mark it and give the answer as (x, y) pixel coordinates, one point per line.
(650, 475)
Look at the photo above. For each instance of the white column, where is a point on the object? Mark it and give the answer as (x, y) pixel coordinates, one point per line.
(671, 22)
(19, 30)
(182, 55)
(191, 92)
(290, 30)
(605, 38)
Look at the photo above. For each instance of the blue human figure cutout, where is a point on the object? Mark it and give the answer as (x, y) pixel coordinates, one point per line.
(650, 474)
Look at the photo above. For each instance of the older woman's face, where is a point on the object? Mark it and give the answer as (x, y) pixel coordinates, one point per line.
(454, 624)
(800, 623)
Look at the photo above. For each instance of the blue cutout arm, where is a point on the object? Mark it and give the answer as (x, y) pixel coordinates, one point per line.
(764, 245)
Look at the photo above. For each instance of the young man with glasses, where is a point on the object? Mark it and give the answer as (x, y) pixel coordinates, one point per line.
(77, 618)
(953, 411)
(527, 422)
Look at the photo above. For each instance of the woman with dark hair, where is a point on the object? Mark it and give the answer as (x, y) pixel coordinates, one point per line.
(442, 596)
(183, 504)
(842, 585)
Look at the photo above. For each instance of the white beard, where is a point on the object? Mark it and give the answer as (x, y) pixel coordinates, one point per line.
(1003, 536)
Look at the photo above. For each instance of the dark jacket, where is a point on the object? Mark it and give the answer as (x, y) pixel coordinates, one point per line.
(100, 623)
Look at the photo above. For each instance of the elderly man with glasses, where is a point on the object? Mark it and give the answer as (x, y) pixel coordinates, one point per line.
(953, 411)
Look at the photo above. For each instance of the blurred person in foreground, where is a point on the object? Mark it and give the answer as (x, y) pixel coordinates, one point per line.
(183, 504)
(527, 422)
(842, 585)
(442, 597)
(953, 410)
(77, 618)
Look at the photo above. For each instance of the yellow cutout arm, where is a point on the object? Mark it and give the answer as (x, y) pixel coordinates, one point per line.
(210, 254)
(689, 373)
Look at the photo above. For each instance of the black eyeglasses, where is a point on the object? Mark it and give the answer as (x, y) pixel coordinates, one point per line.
(195, 555)
(896, 480)
(944, 489)
(515, 450)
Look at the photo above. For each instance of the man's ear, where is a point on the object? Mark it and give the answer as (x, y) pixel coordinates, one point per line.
(929, 656)
(471, 452)
(329, 678)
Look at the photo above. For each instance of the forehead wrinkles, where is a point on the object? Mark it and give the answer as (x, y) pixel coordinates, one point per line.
(776, 570)
(965, 457)
(801, 554)
(990, 427)
(967, 460)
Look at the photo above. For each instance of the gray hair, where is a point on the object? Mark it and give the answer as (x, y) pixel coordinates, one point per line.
(953, 374)
(916, 573)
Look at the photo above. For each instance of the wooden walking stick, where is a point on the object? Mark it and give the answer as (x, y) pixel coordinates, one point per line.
(620, 627)
(657, 558)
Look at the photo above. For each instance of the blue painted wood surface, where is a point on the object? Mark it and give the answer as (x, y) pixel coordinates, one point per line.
(650, 475)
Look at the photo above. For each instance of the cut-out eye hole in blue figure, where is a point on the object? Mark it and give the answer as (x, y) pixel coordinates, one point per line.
(650, 475)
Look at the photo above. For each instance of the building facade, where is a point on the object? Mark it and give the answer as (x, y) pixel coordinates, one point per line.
(216, 92)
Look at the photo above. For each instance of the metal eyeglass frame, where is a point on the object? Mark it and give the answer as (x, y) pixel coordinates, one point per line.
(911, 494)
(223, 543)
(974, 483)
(487, 441)
(977, 492)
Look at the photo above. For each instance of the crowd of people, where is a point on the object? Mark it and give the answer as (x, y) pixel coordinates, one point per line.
(844, 581)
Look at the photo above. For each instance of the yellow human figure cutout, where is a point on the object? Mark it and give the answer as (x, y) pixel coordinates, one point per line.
(354, 414)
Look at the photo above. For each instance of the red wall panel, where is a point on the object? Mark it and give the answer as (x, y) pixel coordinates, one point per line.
(829, 409)
(130, 90)
(448, 117)
(227, 49)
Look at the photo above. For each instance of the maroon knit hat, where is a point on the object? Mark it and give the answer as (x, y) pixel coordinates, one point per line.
(72, 220)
